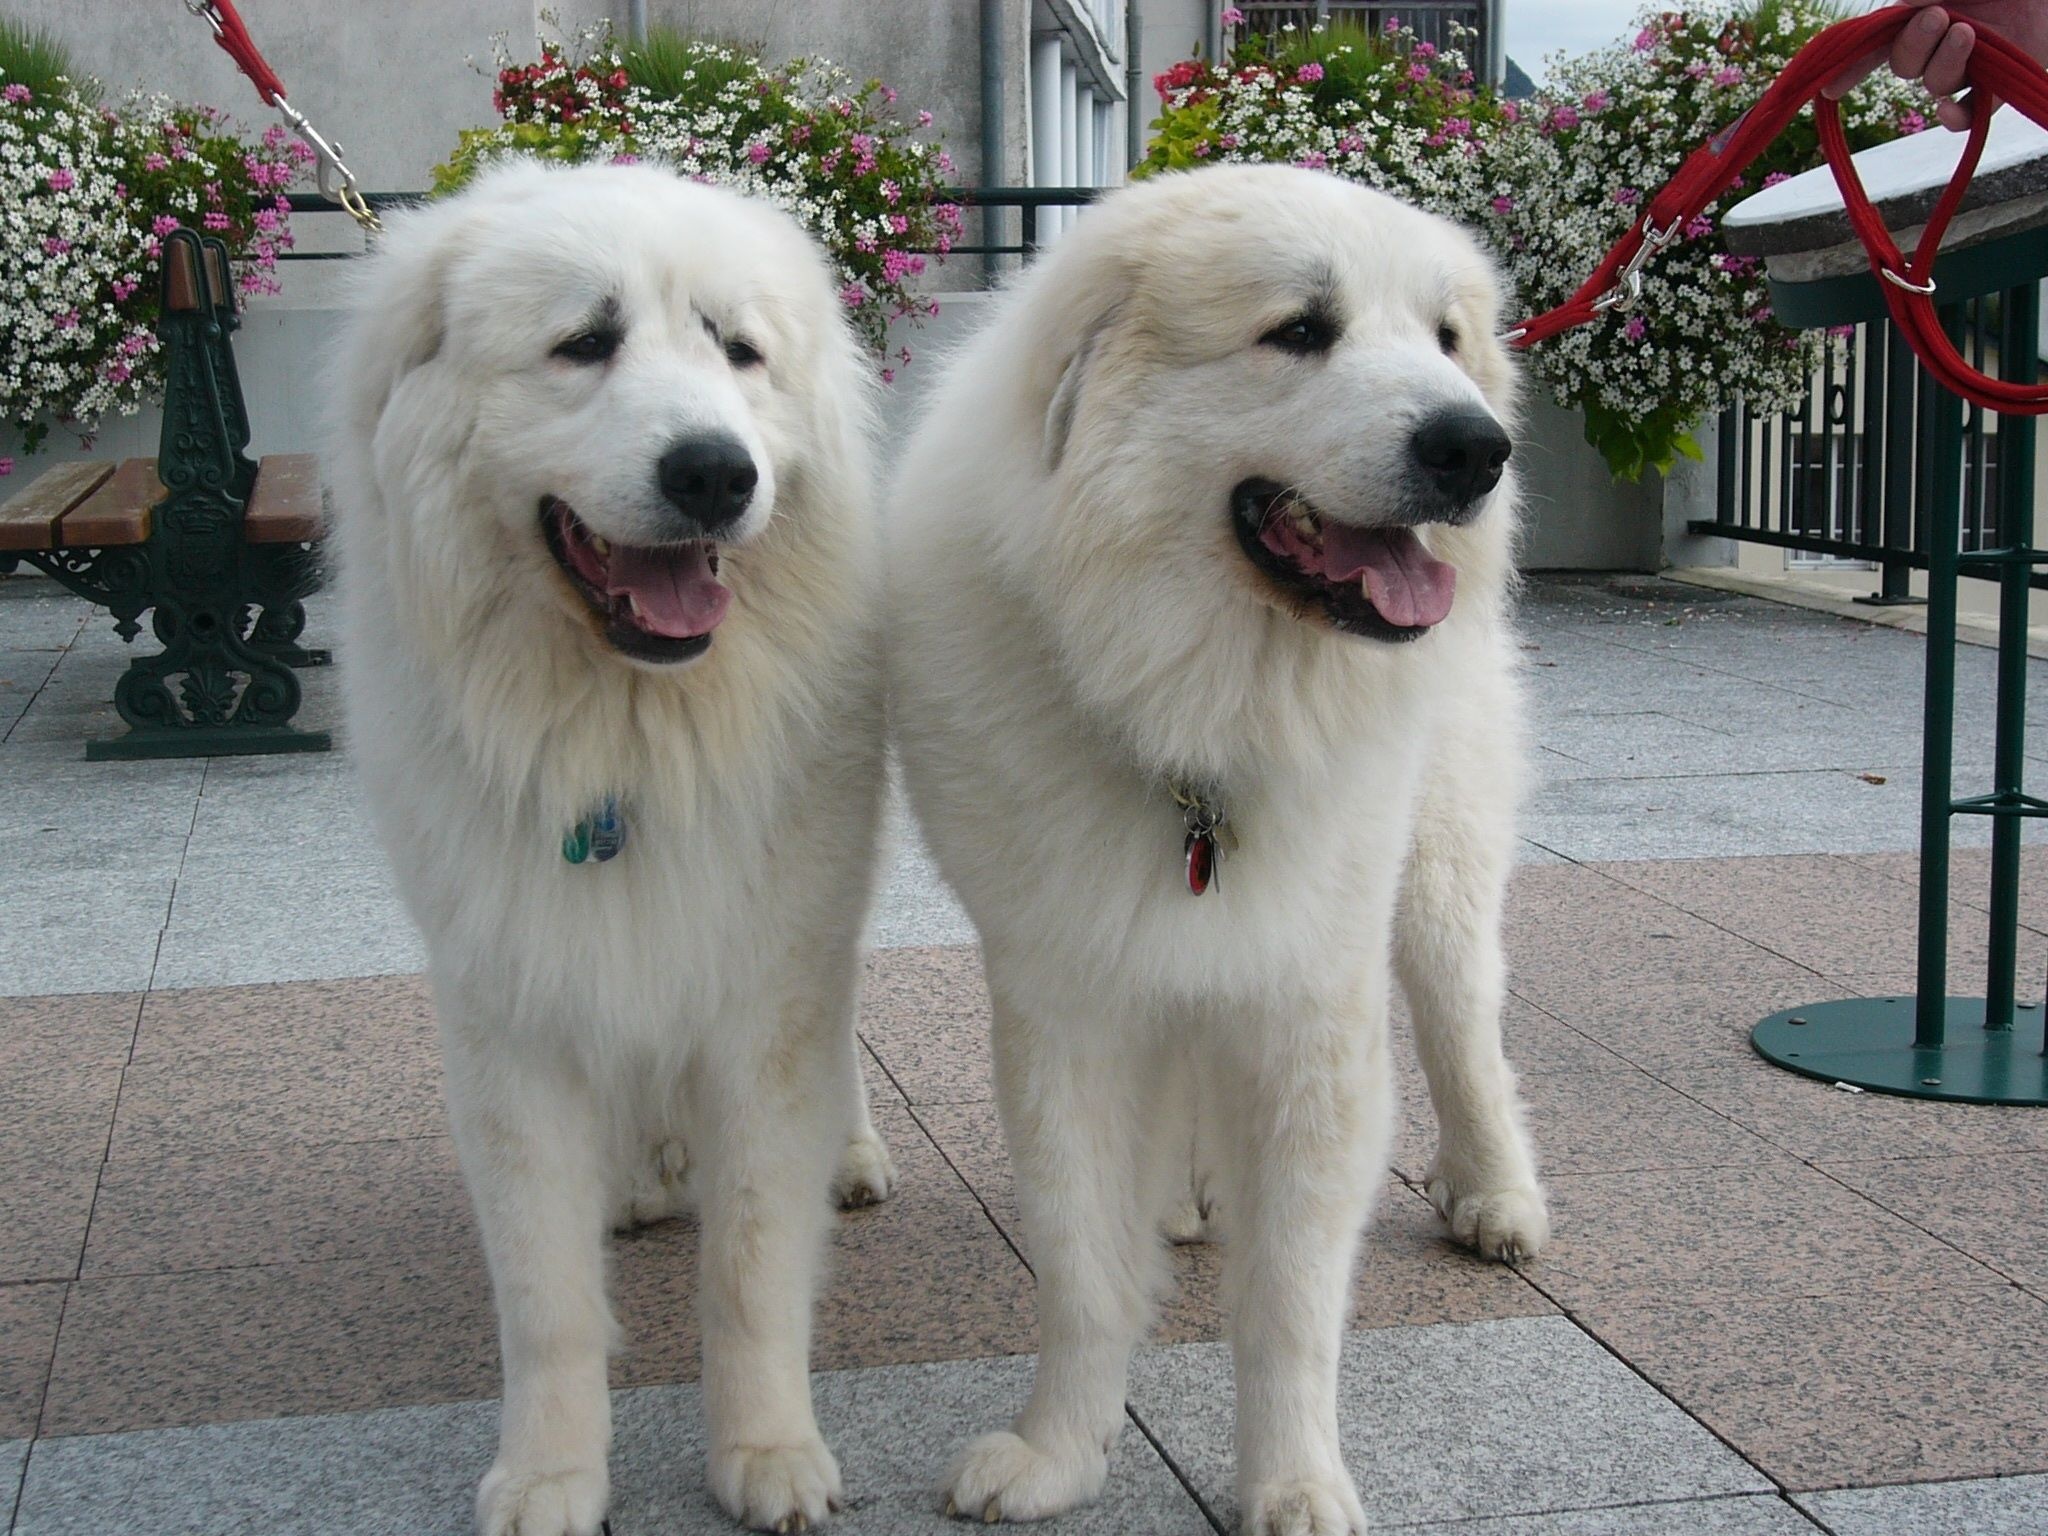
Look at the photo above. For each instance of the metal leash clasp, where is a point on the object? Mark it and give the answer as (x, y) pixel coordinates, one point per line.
(329, 167)
(1627, 292)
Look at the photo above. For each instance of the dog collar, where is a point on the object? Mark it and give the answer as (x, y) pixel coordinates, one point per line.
(599, 835)
(1209, 835)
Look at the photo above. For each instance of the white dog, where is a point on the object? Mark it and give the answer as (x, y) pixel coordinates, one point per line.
(1200, 570)
(609, 564)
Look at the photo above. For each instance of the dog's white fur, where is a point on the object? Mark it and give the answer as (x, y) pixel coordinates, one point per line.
(1073, 625)
(698, 990)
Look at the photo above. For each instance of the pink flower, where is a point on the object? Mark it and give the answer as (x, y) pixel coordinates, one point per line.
(119, 373)
(625, 158)
(1777, 176)
(1628, 197)
(53, 246)
(1314, 160)
(888, 375)
(218, 222)
(1912, 122)
(1700, 227)
(1228, 141)
(853, 295)
(924, 119)
(1232, 16)
(1647, 40)
(1596, 101)
(1418, 71)
(14, 96)
(758, 152)
(900, 223)
(1732, 75)
(1636, 329)
(68, 321)
(1503, 205)
(7, 465)
(124, 288)
(891, 192)
(162, 225)
(1564, 118)
(1511, 111)
(62, 180)
(1310, 71)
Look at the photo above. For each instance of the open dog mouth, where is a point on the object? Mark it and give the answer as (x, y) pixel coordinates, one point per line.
(1376, 582)
(659, 602)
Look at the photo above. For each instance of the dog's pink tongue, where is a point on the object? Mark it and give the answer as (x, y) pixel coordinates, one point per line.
(674, 593)
(1408, 585)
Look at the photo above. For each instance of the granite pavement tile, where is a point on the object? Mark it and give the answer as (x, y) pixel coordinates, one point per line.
(1969, 884)
(1614, 1122)
(1838, 916)
(1856, 1387)
(1993, 1207)
(79, 1027)
(925, 1015)
(1822, 1123)
(1752, 1514)
(1778, 1228)
(1990, 1506)
(202, 1347)
(78, 931)
(1507, 1418)
(28, 1334)
(56, 1116)
(43, 1215)
(280, 1204)
(311, 1063)
(13, 1455)
(412, 1471)
(923, 1276)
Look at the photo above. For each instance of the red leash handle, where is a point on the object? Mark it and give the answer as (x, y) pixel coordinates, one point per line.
(1998, 71)
(234, 39)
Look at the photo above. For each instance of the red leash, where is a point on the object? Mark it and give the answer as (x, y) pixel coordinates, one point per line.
(337, 181)
(1998, 71)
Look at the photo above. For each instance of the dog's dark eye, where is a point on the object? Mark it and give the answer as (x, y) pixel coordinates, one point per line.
(592, 346)
(742, 354)
(1447, 339)
(1303, 334)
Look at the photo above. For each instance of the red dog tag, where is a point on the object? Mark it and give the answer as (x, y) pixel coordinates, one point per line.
(1201, 861)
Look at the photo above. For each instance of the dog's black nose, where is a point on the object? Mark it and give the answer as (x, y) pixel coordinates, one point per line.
(1462, 452)
(709, 479)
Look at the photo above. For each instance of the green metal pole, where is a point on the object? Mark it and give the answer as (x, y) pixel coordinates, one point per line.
(2019, 360)
(1937, 752)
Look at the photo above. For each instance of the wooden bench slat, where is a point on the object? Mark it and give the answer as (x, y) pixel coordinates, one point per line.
(29, 518)
(116, 513)
(285, 507)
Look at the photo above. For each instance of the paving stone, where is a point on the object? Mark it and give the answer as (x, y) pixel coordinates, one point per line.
(412, 1471)
(1853, 1388)
(1991, 1506)
(1993, 1207)
(1742, 1515)
(1491, 1419)
(28, 1333)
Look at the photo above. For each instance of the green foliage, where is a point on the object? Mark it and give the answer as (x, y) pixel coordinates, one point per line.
(33, 56)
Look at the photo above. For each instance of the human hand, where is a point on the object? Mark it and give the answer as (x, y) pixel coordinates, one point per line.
(1934, 48)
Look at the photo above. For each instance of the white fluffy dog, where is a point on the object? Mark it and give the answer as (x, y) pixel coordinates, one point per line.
(1200, 572)
(609, 565)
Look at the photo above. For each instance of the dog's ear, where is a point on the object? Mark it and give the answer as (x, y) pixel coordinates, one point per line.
(398, 298)
(1059, 416)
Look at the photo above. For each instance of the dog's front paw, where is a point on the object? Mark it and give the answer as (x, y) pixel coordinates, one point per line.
(1005, 1477)
(515, 1502)
(1509, 1224)
(865, 1175)
(776, 1487)
(1304, 1507)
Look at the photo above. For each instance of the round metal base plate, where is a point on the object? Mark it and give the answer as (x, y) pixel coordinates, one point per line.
(1868, 1042)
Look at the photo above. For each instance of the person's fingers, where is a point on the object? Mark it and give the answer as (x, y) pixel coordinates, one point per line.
(1917, 43)
(1847, 81)
(1955, 115)
(1948, 71)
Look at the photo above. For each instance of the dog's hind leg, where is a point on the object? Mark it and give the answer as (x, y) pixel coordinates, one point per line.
(530, 1143)
(1077, 1118)
(865, 1174)
(1447, 950)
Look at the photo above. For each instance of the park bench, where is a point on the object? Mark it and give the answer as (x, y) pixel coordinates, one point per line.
(219, 550)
